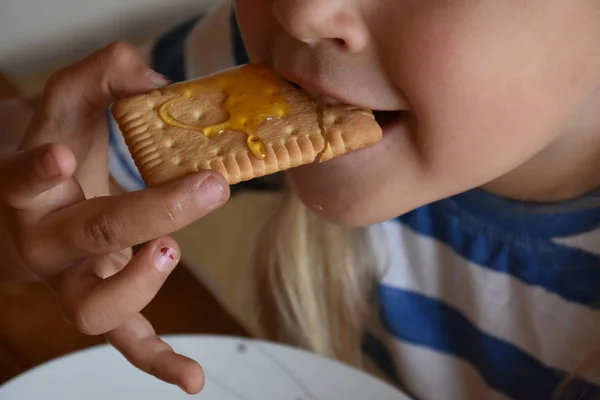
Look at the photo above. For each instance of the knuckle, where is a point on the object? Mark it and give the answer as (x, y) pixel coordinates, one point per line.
(143, 295)
(101, 233)
(28, 248)
(83, 319)
(27, 252)
(120, 54)
(172, 215)
(56, 99)
(55, 83)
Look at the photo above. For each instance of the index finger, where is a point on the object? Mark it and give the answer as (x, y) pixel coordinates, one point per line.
(108, 224)
(82, 91)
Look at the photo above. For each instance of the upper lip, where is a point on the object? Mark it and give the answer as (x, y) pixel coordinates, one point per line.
(314, 88)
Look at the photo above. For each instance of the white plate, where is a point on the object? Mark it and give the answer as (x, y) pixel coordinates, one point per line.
(236, 369)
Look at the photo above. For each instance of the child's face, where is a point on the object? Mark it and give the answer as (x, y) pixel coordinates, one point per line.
(488, 85)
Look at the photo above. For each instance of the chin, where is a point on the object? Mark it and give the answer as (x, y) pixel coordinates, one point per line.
(331, 191)
(337, 211)
(352, 190)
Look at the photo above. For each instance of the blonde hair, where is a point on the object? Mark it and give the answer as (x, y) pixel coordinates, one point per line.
(314, 282)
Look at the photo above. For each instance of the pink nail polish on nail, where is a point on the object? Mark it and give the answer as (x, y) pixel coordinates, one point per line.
(158, 80)
(166, 258)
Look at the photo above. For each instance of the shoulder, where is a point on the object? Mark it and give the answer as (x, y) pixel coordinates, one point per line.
(204, 44)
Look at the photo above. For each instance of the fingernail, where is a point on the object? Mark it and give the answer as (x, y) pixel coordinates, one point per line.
(48, 167)
(165, 258)
(212, 191)
(158, 80)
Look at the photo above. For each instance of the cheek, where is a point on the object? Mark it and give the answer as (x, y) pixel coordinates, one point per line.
(486, 97)
(487, 93)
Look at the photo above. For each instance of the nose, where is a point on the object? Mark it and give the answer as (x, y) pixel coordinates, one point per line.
(315, 21)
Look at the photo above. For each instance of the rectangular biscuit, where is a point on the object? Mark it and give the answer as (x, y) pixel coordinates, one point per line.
(245, 123)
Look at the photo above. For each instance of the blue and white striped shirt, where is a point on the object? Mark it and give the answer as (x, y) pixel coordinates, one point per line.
(480, 297)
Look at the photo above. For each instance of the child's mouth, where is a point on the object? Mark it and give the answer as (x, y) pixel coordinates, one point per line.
(385, 118)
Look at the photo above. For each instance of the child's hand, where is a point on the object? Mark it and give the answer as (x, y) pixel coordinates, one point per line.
(79, 247)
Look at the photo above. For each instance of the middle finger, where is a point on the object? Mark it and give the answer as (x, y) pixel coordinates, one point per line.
(96, 306)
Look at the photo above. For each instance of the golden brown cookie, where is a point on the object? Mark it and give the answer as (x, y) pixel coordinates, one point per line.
(244, 122)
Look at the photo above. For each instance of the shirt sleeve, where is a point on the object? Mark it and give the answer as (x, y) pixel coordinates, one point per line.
(120, 163)
(204, 44)
(167, 58)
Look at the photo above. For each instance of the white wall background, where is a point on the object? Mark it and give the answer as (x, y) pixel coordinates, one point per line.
(36, 35)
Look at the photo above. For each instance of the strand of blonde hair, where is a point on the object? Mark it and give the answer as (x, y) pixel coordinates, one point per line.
(313, 282)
